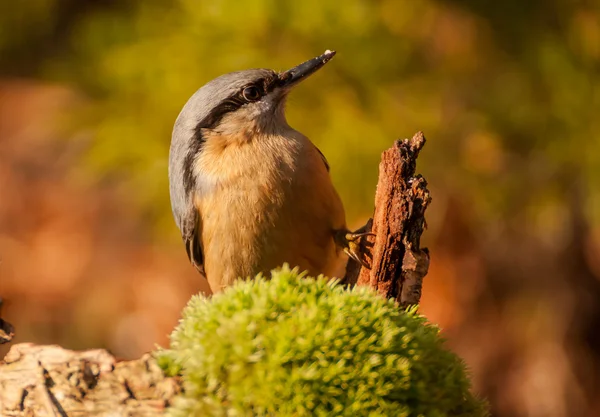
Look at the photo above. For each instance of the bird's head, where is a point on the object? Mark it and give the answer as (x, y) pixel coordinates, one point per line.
(233, 108)
(243, 103)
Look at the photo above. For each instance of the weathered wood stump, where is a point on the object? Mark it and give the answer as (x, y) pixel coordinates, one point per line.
(52, 381)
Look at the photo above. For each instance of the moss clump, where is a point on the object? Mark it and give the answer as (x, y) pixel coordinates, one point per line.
(296, 346)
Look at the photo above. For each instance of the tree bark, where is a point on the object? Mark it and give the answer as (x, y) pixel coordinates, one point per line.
(52, 381)
(397, 264)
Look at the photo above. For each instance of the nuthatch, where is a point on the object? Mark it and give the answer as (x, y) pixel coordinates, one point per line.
(248, 192)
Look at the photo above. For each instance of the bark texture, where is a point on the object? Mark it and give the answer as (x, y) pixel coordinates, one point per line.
(52, 381)
(397, 264)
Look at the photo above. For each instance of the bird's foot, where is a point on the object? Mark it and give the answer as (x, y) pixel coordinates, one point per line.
(353, 245)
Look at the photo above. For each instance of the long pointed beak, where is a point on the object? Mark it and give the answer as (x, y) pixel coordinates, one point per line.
(295, 75)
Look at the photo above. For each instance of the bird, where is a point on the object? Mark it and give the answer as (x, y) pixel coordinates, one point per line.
(248, 192)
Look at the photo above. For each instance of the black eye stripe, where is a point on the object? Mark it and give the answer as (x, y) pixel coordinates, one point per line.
(264, 85)
(234, 102)
(270, 83)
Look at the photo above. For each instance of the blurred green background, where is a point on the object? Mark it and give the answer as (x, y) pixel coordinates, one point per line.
(507, 94)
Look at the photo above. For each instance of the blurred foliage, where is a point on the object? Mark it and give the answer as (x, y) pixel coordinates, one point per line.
(299, 346)
(506, 93)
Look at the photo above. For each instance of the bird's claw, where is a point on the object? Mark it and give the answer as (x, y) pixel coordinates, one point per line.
(354, 247)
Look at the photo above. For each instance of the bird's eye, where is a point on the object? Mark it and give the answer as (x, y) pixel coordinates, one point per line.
(251, 93)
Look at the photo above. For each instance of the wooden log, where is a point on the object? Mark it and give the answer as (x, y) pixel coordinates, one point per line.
(55, 382)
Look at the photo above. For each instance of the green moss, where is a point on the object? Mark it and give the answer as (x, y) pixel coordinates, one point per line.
(305, 347)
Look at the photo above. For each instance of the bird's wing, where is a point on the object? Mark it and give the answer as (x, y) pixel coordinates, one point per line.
(190, 226)
(323, 158)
